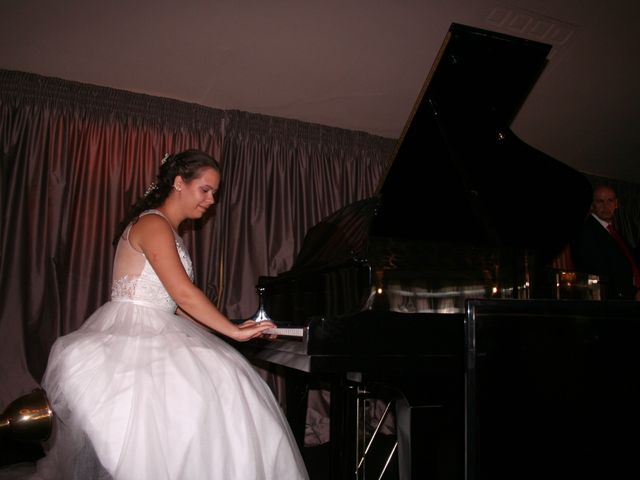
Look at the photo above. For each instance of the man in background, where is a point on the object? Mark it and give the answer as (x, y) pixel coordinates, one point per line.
(600, 250)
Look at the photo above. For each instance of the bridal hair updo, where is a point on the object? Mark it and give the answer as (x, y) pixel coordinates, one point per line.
(188, 164)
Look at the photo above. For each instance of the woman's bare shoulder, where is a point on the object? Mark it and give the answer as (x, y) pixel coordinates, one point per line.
(149, 226)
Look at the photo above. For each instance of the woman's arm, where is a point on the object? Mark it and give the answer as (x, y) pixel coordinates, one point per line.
(153, 235)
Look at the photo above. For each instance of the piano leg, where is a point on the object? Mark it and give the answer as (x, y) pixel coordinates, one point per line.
(418, 443)
(344, 429)
(430, 430)
(297, 399)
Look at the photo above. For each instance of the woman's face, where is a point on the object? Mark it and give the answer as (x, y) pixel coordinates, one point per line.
(198, 194)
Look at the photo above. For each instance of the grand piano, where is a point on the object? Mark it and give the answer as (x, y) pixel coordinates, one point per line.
(436, 293)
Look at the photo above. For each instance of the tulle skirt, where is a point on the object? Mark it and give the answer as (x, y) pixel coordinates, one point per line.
(139, 393)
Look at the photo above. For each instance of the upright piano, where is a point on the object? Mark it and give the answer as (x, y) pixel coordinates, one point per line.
(410, 294)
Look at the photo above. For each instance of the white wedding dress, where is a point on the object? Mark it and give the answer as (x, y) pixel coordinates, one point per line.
(139, 392)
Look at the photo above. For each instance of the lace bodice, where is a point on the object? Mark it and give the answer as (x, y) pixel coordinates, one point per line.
(135, 280)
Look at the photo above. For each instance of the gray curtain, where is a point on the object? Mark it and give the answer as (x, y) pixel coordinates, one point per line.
(281, 177)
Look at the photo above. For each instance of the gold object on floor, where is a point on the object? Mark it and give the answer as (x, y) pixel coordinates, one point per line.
(27, 419)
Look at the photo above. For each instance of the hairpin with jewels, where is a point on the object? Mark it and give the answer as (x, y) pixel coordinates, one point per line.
(153, 186)
(150, 189)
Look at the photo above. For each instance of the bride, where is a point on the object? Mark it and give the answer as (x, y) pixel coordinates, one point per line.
(144, 389)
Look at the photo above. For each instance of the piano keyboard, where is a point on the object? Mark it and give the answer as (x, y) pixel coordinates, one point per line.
(285, 331)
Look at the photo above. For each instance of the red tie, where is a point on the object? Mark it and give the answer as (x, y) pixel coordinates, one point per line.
(623, 246)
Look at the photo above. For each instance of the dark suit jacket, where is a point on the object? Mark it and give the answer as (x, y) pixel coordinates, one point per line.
(595, 251)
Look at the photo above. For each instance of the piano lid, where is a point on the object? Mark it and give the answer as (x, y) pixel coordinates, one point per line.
(459, 174)
(458, 164)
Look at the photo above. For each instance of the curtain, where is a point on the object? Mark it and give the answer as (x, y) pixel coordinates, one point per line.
(74, 157)
(281, 178)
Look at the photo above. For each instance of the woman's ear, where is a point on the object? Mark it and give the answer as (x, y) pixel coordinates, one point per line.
(177, 183)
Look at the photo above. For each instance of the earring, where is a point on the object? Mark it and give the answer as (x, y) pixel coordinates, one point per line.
(177, 189)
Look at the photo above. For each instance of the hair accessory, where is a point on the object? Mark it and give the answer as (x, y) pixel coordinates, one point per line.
(164, 159)
(150, 189)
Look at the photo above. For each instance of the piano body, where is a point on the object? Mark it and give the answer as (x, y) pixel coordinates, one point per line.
(384, 292)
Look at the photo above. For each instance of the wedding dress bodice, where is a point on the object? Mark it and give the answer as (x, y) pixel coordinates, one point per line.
(135, 280)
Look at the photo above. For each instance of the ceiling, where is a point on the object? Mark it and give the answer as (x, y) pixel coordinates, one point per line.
(354, 64)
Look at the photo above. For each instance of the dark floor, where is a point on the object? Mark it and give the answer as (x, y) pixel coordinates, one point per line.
(11, 453)
(317, 458)
(317, 461)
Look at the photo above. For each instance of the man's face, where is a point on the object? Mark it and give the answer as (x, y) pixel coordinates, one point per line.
(604, 203)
